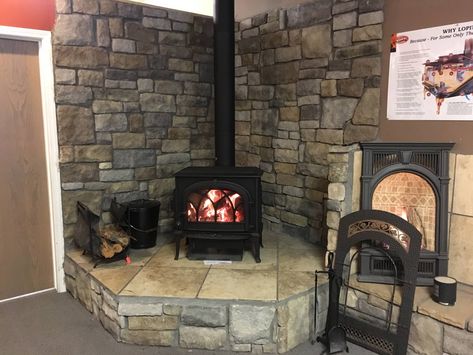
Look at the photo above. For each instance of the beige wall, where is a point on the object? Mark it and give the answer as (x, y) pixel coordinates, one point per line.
(461, 218)
(407, 15)
(248, 8)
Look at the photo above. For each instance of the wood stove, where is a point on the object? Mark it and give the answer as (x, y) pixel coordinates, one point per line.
(218, 209)
(411, 181)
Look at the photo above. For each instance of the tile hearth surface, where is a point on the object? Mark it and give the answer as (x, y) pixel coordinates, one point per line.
(287, 269)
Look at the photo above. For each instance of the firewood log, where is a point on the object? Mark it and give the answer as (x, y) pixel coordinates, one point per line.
(106, 249)
(115, 234)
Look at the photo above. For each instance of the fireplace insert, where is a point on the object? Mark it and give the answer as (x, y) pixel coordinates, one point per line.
(411, 181)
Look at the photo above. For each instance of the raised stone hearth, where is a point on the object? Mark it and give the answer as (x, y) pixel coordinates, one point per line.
(244, 306)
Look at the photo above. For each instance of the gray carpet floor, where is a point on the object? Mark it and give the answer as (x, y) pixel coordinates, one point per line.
(56, 324)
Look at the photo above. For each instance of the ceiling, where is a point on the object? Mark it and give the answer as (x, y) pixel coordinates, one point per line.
(243, 8)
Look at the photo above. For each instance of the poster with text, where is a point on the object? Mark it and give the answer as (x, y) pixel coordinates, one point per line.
(431, 74)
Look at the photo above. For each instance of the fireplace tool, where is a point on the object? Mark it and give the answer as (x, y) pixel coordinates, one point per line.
(334, 336)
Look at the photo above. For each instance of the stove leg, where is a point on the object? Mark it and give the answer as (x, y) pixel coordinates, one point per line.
(255, 243)
(178, 245)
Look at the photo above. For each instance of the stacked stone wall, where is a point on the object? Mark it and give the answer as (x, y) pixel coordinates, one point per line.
(134, 102)
(307, 80)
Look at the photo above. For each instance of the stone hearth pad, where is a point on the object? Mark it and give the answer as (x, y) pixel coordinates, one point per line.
(157, 300)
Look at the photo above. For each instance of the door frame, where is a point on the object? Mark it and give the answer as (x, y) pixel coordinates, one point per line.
(46, 71)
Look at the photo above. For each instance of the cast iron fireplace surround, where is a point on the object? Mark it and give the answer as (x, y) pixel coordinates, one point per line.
(218, 209)
(430, 162)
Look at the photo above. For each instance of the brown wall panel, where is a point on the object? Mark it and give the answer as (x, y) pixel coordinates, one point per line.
(408, 15)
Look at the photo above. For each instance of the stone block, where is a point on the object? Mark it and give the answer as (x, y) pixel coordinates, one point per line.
(123, 45)
(286, 155)
(371, 18)
(283, 73)
(157, 103)
(176, 146)
(287, 54)
(116, 122)
(308, 87)
(75, 125)
(355, 134)
(336, 191)
(366, 67)
(204, 316)
(161, 187)
(86, 6)
(338, 172)
(133, 158)
(128, 61)
(367, 111)
(202, 338)
(251, 324)
(350, 87)
(342, 38)
(172, 158)
(337, 111)
(362, 49)
(328, 88)
(74, 30)
(275, 40)
(82, 172)
(261, 92)
(289, 114)
(368, 33)
(294, 323)
(80, 57)
(65, 76)
(370, 5)
(265, 122)
(312, 73)
(346, 20)
(162, 322)
(172, 38)
(106, 106)
(157, 23)
(90, 78)
(309, 13)
(342, 7)
(294, 219)
(128, 140)
(149, 337)
(92, 153)
(316, 153)
(116, 175)
(68, 94)
(425, 335)
(285, 92)
(317, 41)
(63, 6)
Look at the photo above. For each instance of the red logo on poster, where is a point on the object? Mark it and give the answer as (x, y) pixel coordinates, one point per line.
(402, 39)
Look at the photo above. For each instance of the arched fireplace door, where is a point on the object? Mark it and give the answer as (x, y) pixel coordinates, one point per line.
(411, 181)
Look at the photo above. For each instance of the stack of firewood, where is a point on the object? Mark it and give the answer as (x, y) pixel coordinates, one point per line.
(113, 240)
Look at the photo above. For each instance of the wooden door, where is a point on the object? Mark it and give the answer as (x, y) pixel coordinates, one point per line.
(26, 260)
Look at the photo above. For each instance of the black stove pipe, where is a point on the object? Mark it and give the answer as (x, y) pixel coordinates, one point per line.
(224, 78)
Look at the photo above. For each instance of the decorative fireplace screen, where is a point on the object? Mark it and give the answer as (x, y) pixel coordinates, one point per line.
(411, 181)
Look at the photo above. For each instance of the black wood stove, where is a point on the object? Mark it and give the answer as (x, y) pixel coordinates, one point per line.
(218, 209)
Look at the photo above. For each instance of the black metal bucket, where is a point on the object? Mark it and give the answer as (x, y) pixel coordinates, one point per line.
(140, 219)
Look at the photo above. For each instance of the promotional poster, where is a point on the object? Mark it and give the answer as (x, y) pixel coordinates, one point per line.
(431, 74)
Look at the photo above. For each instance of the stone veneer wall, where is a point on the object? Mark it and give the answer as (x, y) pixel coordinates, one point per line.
(307, 80)
(134, 102)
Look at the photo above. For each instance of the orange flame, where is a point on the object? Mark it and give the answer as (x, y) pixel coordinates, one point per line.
(221, 206)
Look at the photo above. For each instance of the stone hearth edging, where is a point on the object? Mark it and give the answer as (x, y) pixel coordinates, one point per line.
(246, 326)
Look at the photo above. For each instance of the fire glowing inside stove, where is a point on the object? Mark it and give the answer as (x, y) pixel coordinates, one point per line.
(216, 206)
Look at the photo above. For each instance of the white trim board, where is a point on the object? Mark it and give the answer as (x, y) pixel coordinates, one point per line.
(43, 38)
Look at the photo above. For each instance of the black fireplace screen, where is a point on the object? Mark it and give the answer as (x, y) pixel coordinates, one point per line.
(215, 206)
